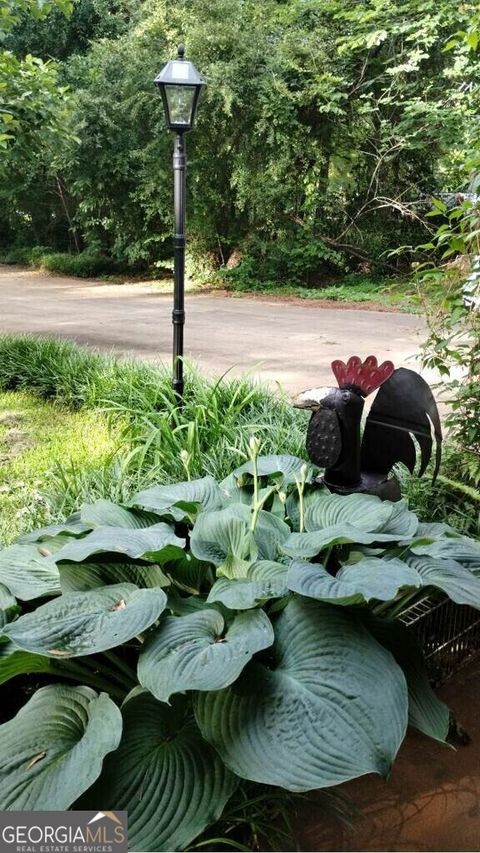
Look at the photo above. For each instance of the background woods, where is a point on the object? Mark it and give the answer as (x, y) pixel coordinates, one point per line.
(324, 131)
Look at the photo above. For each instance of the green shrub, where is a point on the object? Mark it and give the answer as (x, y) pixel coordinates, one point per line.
(216, 633)
(453, 497)
(16, 255)
(291, 258)
(453, 344)
(84, 265)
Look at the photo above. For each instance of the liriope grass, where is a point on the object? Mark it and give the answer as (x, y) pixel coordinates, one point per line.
(158, 442)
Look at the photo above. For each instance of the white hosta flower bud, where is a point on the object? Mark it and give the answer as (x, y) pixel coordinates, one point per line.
(254, 444)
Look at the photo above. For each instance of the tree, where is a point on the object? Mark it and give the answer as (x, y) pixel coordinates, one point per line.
(322, 128)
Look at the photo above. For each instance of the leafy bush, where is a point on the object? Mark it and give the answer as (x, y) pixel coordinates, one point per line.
(453, 344)
(452, 498)
(291, 258)
(16, 255)
(85, 264)
(244, 630)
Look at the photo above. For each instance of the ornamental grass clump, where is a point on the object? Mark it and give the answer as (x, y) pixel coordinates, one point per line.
(208, 633)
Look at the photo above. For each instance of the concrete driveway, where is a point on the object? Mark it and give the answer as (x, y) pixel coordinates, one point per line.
(287, 343)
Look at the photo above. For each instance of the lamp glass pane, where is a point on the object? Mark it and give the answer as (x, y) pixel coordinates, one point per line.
(180, 100)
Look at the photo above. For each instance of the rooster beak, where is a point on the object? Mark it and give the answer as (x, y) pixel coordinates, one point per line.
(311, 399)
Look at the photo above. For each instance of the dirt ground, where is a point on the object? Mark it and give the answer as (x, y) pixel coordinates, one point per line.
(430, 803)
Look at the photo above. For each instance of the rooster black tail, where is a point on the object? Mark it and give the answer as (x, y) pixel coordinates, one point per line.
(404, 408)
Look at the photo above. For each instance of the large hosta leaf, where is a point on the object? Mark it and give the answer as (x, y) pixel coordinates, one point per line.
(365, 512)
(264, 579)
(53, 750)
(28, 572)
(8, 606)
(292, 504)
(15, 661)
(152, 543)
(456, 548)
(83, 623)
(425, 710)
(225, 539)
(284, 470)
(104, 513)
(170, 781)
(331, 706)
(73, 526)
(79, 577)
(459, 583)
(306, 545)
(181, 605)
(270, 533)
(181, 500)
(402, 522)
(435, 530)
(188, 573)
(196, 653)
(382, 579)
(359, 583)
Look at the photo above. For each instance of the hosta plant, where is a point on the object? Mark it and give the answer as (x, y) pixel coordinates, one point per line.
(210, 633)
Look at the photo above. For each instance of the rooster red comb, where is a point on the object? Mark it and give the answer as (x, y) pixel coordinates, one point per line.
(366, 375)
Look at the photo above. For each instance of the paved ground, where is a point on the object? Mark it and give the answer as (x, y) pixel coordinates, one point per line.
(290, 344)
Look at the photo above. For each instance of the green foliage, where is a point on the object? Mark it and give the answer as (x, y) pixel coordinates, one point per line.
(321, 128)
(453, 498)
(257, 816)
(54, 777)
(57, 36)
(12, 10)
(453, 344)
(34, 437)
(29, 91)
(273, 596)
(77, 377)
(86, 264)
(391, 293)
(290, 259)
(151, 440)
(29, 107)
(161, 442)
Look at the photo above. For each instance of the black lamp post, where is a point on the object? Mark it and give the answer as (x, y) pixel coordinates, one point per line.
(180, 86)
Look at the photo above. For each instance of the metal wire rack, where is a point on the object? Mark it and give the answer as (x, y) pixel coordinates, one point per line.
(448, 633)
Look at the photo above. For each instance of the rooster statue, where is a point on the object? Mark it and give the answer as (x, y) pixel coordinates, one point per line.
(403, 409)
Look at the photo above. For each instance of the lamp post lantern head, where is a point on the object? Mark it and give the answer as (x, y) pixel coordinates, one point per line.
(180, 86)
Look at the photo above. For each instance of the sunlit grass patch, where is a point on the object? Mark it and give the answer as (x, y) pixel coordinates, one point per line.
(35, 438)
